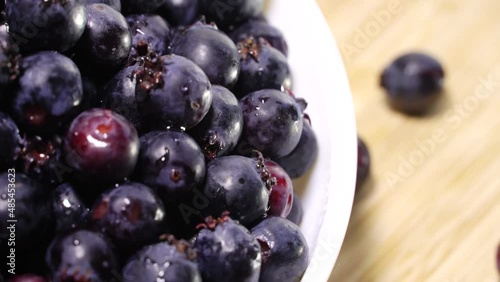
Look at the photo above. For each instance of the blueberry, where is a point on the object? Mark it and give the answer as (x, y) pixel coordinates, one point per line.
(219, 132)
(413, 82)
(173, 92)
(81, 256)
(161, 261)
(69, 210)
(363, 163)
(281, 198)
(285, 254)
(301, 159)
(152, 29)
(105, 45)
(32, 210)
(297, 211)
(10, 61)
(181, 12)
(261, 28)
(262, 67)
(212, 50)
(272, 123)
(141, 6)
(49, 94)
(41, 158)
(46, 25)
(115, 4)
(131, 215)
(118, 95)
(236, 184)
(171, 162)
(228, 13)
(101, 147)
(10, 142)
(228, 253)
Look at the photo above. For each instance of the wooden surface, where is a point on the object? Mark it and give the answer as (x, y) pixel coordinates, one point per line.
(431, 211)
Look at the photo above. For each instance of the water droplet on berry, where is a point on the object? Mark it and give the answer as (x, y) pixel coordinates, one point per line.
(76, 242)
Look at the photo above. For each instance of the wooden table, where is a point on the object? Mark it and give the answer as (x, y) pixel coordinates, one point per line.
(431, 211)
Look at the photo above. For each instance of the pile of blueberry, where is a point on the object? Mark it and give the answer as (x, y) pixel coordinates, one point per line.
(149, 140)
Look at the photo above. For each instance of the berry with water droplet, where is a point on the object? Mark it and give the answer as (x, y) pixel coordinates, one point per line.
(81, 256)
(125, 212)
(170, 162)
(163, 261)
(101, 147)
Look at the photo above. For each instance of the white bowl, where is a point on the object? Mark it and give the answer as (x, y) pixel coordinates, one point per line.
(320, 78)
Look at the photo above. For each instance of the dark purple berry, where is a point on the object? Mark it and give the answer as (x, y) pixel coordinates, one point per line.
(49, 93)
(115, 4)
(285, 254)
(131, 215)
(302, 158)
(105, 45)
(162, 261)
(363, 163)
(181, 12)
(81, 256)
(29, 202)
(239, 185)
(101, 146)
(229, 13)
(281, 198)
(261, 28)
(141, 6)
(297, 211)
(219, 132)
(10, 142)
(272, 123)
(212, 50)
(172, 92)
(413, 82)
(69, 210)
(170, 162)
(262, 67)
(150, 29)
(227, 252)
(119, 96)
(46, 24)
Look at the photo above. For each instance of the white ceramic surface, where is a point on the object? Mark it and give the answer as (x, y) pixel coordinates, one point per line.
(320, 77)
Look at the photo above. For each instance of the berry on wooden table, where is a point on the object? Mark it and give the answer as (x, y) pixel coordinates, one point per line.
(413, 82)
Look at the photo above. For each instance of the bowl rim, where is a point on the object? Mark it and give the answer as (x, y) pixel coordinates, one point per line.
(340, 190)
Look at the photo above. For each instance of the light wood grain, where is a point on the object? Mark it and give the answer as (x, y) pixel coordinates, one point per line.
(438, 220)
